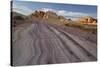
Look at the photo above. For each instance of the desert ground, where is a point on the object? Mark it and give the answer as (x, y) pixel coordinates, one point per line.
(38, 42)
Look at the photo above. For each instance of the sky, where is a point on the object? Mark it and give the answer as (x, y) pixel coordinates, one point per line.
(67, 10)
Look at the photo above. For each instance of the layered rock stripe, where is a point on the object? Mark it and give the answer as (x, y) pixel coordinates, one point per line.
(41, 43)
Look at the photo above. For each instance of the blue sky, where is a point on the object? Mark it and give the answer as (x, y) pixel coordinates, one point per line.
(67, 10)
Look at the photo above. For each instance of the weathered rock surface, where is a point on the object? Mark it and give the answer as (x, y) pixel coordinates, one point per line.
(40, 43)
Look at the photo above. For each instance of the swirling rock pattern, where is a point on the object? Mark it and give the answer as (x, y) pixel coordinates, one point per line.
(40, 43)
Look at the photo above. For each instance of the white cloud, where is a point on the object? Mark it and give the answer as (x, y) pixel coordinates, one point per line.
(71, 14)
(66, 13)
(22, 9)
(47, 9)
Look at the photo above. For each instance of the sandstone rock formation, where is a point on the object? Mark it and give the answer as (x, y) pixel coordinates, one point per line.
(46, 15)
(38, 14)
(50, 16)
(87, 20)
(61, 18)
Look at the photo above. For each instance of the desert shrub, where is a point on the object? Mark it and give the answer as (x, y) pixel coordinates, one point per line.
(18, 18)
(74, 25)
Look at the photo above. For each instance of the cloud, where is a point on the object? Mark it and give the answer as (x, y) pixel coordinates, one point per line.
(22, 9)
(67, 13)
(71, 14)
(48, 9)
